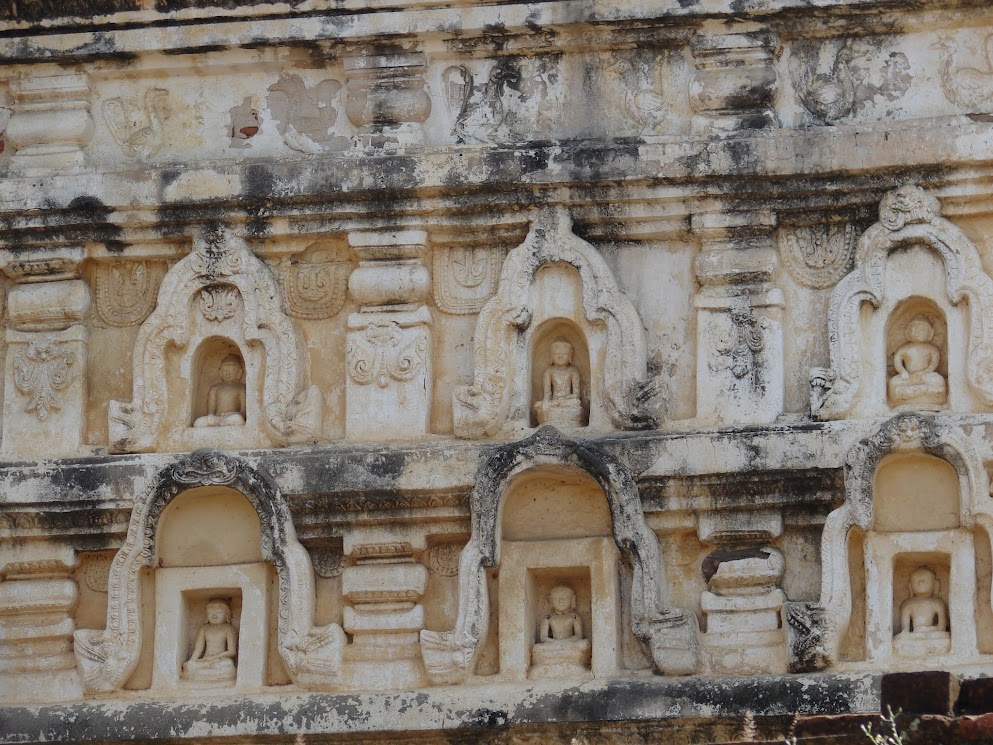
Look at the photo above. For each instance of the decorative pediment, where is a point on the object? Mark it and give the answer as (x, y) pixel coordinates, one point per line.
(622, 395)
(908, 217)
(221, 289)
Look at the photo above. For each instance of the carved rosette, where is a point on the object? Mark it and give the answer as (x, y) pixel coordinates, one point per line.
(464, 278)
(313, 289)
(907, 215)
(126, 291)
(818, 256)
(219, 302)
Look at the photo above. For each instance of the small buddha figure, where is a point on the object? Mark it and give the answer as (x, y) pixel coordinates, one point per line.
(561, 651)
(215, 649)
(226, 400)
(923, 617)
(917, 380)
(561, 404)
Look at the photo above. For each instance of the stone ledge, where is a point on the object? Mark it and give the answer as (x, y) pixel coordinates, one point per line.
(496, 705)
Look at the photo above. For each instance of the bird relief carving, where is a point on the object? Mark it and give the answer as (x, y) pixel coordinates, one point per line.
(967, 85)
(835, 81)
(42, 371)
(139, 128)
(644, 105)
(380, 355)
(306, 115)
(478, 108)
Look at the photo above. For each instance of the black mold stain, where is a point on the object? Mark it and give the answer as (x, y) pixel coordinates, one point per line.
(41, 10)
(91, 210)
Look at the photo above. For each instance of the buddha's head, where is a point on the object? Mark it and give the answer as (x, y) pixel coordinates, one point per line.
(232, 370)
(923, 583)
(561, 352)
(920, 330)
(562, 598)
(218, 611)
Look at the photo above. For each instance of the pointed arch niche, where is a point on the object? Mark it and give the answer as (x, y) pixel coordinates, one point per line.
(211, 526)
(917, 497)
(554, 279)
(218, 301)
(911, 264)
(598, 509)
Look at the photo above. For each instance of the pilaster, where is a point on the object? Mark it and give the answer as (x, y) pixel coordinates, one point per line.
(386, 97)
(740, 367)
(388, 349)
(45, 380)
(51, 121)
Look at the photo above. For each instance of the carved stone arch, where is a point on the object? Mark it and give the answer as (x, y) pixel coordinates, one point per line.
(291, 411)
(907, 216)
(911, 432)
(500, 377)
(670, 633)
(312, 655)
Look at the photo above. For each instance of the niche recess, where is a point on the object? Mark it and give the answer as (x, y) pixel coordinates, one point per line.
(896, 337)
(206, 367)
(541, 359)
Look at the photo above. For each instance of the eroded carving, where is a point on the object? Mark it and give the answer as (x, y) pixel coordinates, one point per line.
(741, 352)
(833, 82)
(562, 403)
(140, 130)
(643, 103)
(42, 371)
(306, 115)
(966, 85)
(478, 108)
(226, 400)
(126, 291)
(818, 256)
(562, 649)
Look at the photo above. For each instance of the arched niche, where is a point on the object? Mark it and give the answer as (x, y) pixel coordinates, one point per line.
(211, 480)
(555, 274)
(547, 333)
(555, 532)
(917, 495)
(207, 360)
(209, 526)
(912, 255)
(917, 315)
(220, 290)
(671, 634)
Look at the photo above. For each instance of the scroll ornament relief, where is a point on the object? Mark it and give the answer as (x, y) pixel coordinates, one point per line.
(42, 370)
(140, 129)
(313, 288)
(465, 277)
(818, 256)
(219, 302)
(907, 215)
(126, 291)
(748, 341)
(376, 356)
(292, 410)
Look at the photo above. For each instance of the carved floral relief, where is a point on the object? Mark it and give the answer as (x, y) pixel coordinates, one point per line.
(376, 355)
(42, 370)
